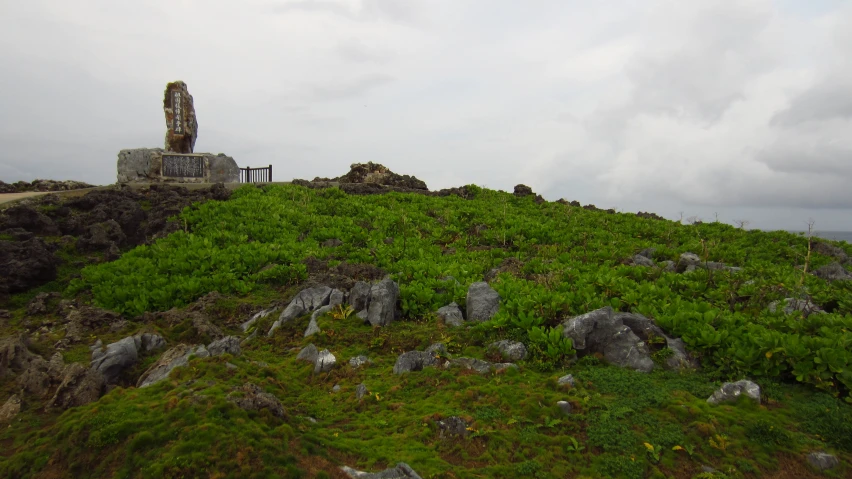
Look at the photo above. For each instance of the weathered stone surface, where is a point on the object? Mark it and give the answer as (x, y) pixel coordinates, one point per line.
(171, 359)
(480, 365)
(101, 236)
(522, 190)
(565, 407)
(452, 426)
(823, 461)
(640, 260)
(510, 350)
(360, 391)
(567, 379)
(833, 272)
(451, 315)
(15, 357)
(80, 385)
(309, 353)
(401, 471)
(313, 325)
(788, 305)
(145, 165)
(686, 260)
(414, 361)
(835, 252)
(28, 219)
(228, 344)
(306, 301)
(325, 361)
(117, 357)
(41, 303)
(10, 409)
(255, 317)
(600, 331)
(730, 392)
(383, 298)
(181, 124)
(482, 302)
(254, 398)
(359, 296)
(25, 265)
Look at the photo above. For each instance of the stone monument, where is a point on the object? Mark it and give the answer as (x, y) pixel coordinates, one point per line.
(176, 163)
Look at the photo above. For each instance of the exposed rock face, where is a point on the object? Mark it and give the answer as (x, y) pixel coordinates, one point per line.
(359, 296)
(334, 299)
(730, 392)
(640, 260)
(41, 303)
(646, 329)
(10, 409)
(522, 190)
(26, 264)
(323, 361)
(254, 399)
(414, 361)
(383, 298)
(374, 173)
(479, 365)
(482, 302)
(789, 305)
(823, 461)
(360, 391)
(830, 250)
(452, 426)
(686, 260)
(79, 386)
(100, 236)
(255, 317)
(567, 379)
(42, 185)
(600, 331)
(174, 357)
(120, 355)
(833, 272)
(309, 353)
(451, 315)
(29, 219)
(228, 344)
(306, 301)
(510, 350)
(401, 471)
(181, 124)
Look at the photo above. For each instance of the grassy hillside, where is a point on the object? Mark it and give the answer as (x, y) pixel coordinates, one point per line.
(548, 261)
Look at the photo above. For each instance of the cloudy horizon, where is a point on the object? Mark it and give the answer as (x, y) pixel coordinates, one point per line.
(730, 109)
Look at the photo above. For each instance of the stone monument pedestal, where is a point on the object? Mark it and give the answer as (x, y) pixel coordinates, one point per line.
(155, 165)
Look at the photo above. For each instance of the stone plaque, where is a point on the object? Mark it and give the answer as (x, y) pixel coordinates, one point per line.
(177, 108)
(183, 166)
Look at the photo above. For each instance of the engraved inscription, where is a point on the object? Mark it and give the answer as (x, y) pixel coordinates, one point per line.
(177, 109)
(183, 166)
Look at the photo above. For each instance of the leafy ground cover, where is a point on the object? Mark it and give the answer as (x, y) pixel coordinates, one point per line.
(554, 261)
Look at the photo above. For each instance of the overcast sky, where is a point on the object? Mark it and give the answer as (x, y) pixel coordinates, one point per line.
(741, 108)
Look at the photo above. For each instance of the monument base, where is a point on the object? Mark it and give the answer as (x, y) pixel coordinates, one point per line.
(155, 165)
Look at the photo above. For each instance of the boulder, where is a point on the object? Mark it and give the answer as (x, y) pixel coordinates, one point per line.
(482, 302)
(730, 392)
(640, 260)
(10, 409)
(41, 303)
(228, 344)
(789, 305)
(117, 357)
(400, 471)
(181, 124)
(360, 391)
(452, 426)
(309, 353)
(833, 272)
(25, 265)
(567, 379)
(383, 298)
(80, 385)
(686, 260)
(414, 361)
(600, 331)
(451, 315)
(823, 461)
(359, 296)
(325, 362)
(359, 361)
(171, 359)
(512, 351)
(306, 301)
(253, 398)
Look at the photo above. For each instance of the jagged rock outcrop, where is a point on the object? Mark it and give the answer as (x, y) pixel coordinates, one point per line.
(509, 350)
(647, 330)
(482, 302)
(26, 264)
(123, 354)
(171, 359)
(400, 471)
(323, 361)
(789, 305)
(28, 219)
(306, 301)
(730, 392)
(383, 298)
(601, 332)
(833, 272)
(361, 391)
(228, 344)
(10, 409)
(374, 173)
(79, 386)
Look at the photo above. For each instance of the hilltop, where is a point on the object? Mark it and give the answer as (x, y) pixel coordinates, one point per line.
(365, 323)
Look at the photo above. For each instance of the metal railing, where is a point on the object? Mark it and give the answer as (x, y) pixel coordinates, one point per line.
(256, 175)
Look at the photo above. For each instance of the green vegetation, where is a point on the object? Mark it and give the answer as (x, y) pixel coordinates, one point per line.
(554, 261)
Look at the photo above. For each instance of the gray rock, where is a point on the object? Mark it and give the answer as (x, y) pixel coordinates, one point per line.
(331, 243)
(401, 471)
(830, 250)
(117, 357)
(228, 344)
(255, 317)
(150, 342)
(414, 361)
(731, 391)
(686, 260)
(646, 329)
(254, 398)
(336, 388)
(336, 297)
(171, 359)
(823, 461)
(482, 302)
(10, 409)
(647, 253)
(359, 296)
(309, 353)
(567, 379)
(451, 315)
(305, 302)
(313, 325)
(639, 260)
(360, 391)
(325, 362)
(668, 266)
(600, 331)
(452, 426)
(565, 407)
(231, 366)
(438, 349)
(806, 306)
(145, 165)
(833, 272)
(79, 386)
(383, 298)
(480, 365)
(359, 361)
(680, 359)
(512, 351)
